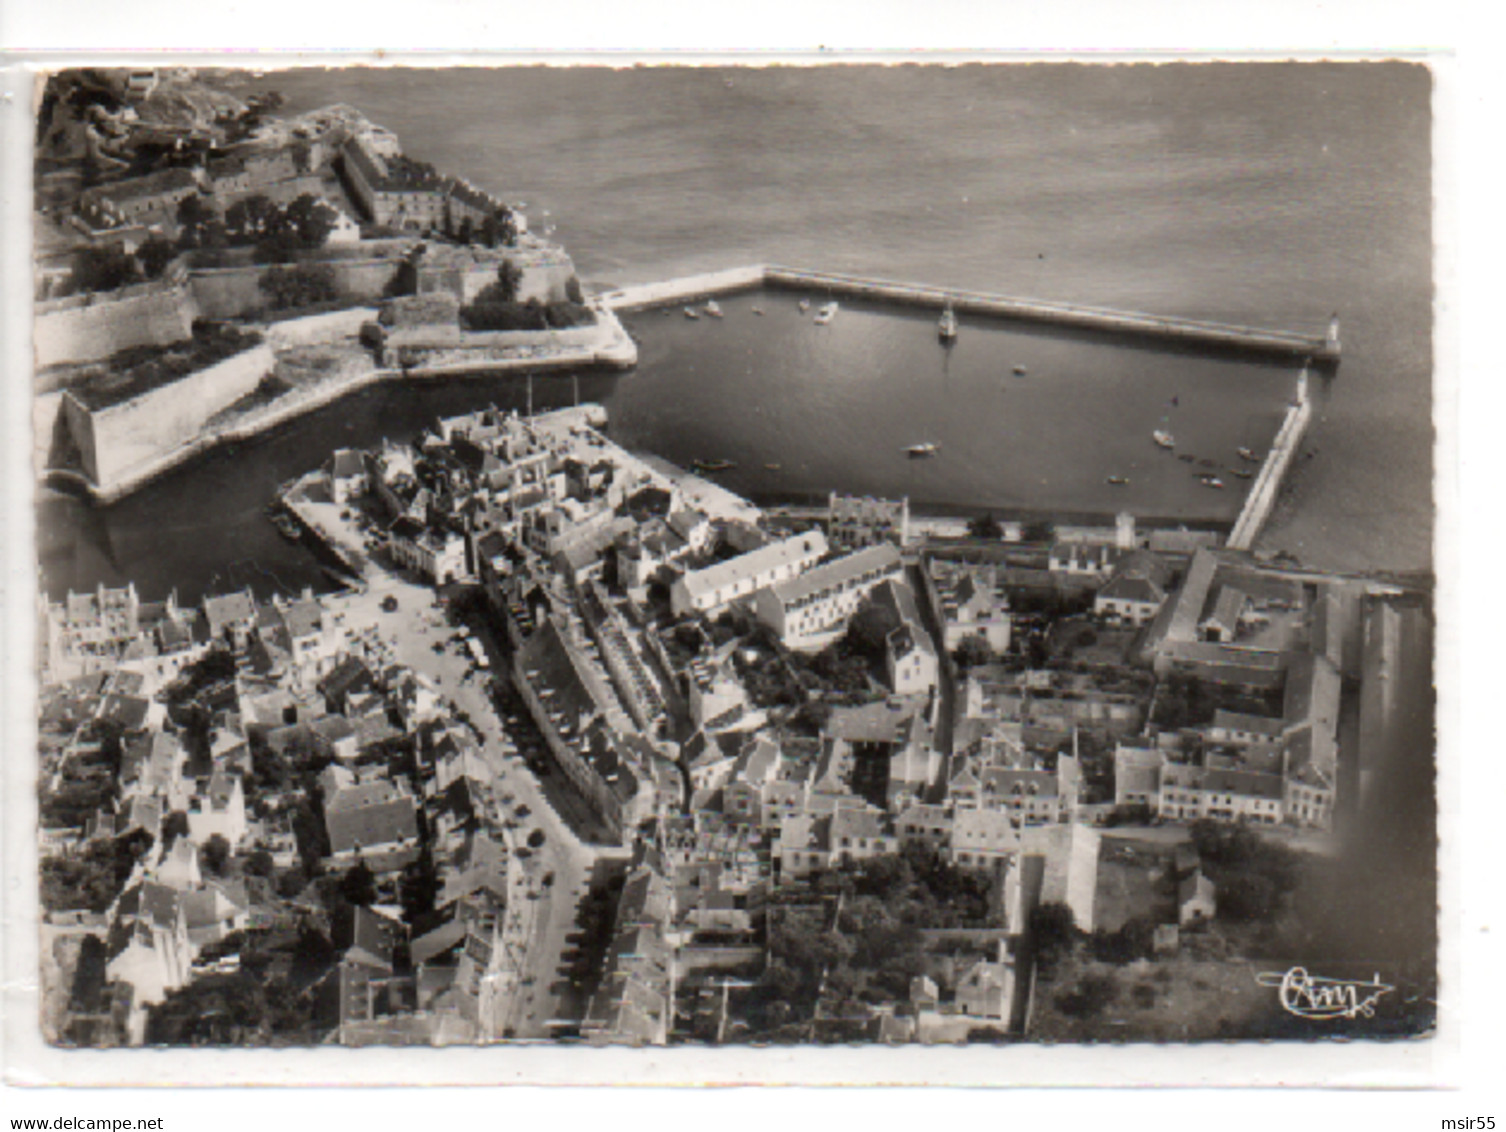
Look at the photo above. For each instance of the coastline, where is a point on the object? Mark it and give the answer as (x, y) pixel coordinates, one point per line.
(613, 348)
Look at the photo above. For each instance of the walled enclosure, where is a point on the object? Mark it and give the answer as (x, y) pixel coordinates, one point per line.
(114, 441)
(89, 328)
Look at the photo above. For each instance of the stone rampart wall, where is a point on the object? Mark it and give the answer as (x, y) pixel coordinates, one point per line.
(235, 292)
(87, 329)
(122, 438)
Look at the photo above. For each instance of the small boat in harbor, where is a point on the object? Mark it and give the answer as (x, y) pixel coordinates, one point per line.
(773, 467)
(1211, 481)
(803, 305)
(287, 527)
(1242, 473)
(1163, 438)
(1118, 481)
(826, 314)
(1020, 371)
(922, 451)
(690, 312)
(758, 310)
(1246, 454)
(946, 329)
(713, 309)
(712, 465)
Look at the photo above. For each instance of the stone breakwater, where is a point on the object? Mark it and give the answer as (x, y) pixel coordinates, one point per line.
(1267, 485)
(1212, 334)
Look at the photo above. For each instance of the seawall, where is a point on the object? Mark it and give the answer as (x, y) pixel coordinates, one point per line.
(115, 440)
(1267, 486)
(1223, 335)
(609, 345)
(288, 407)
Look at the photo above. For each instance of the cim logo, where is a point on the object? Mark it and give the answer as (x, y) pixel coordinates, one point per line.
(1311, 996)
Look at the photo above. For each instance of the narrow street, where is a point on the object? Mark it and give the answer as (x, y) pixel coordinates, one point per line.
(418, 633)
(946, 682)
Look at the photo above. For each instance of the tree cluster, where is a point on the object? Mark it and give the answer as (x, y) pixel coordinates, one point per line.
(1089, 997)
(1054, 930)
(150, 366)
(277, 231)
(531, 315)
(1253, 876)
(876, 945)
(95, 877)
(972, 651)
(868, 631)
(245, 1008)
(110, 267)
(1182, 701)
(301, 285)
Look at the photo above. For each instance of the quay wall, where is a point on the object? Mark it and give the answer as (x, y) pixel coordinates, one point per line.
(1267, 486)
(165, 458)
(448, 337)
(971, 302)
(308, 519)
(89, 328)
(116, 441)
(642, 295)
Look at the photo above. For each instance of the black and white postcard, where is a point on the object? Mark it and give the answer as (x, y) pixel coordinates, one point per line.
(734, 562)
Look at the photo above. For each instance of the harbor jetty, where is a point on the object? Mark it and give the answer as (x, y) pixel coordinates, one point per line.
(1267, 484)
(1319, 348)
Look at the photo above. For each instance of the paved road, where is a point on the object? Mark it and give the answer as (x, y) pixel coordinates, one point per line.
(411, 633)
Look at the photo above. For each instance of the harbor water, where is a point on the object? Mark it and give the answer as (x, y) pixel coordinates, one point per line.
(1258, 194)
(1268, 195)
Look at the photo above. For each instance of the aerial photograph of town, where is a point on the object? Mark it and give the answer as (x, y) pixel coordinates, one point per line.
(735, 556)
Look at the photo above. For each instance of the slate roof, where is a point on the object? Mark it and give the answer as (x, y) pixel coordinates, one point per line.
(303, 618)
(127, 711)
(787, 551)
(348, 675)
(348, 463)
(1125, 588)
(883, 721)
(1241, 721)
(877, 559)
(228, 609)
(433, 944)
(361, 795)
(160, 905)
(855, 823)
(374, 938)
(366, 826)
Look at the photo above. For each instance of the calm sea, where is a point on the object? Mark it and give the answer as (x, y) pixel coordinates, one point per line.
(1264, 194)
(1259, 194)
